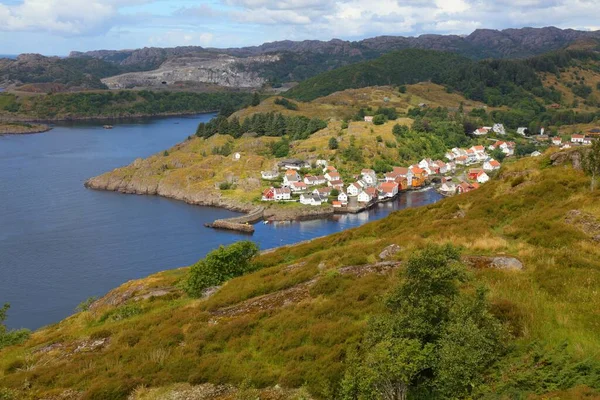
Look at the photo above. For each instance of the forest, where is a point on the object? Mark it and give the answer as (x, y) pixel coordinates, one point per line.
(262, 124)
(123, 104)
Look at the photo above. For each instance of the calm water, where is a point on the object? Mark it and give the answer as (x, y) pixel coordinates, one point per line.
(61, 243)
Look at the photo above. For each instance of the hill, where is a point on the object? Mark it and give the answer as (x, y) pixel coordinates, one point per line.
(277, 62)
(295, 320)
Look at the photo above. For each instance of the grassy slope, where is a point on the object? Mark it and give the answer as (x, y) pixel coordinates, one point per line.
(299, 336)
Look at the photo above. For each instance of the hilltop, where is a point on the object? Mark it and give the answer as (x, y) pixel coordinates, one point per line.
(293, 321)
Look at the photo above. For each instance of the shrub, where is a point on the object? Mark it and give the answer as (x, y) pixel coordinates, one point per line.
(379, 119)
(85, 305)
(225, 185)
(220, 265)
(333, 143)
(123, 312)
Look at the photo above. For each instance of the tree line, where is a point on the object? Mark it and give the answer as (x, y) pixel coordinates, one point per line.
(262, 124)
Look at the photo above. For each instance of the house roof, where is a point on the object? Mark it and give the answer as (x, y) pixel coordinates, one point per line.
(578, 136)
(400, 170)
(299, 184)
(494, 163)
(336, 203)
(337, 182)
(333, 174)
(281, 191)
(479, 148)
(367, 171)
(324, 190)
(291, 172)
(417, 170)
(371, 191)
(388, 187)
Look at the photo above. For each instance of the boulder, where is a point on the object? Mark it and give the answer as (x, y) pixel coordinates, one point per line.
(389, 251)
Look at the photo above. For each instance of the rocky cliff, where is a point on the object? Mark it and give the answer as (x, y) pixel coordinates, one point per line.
(222, 70)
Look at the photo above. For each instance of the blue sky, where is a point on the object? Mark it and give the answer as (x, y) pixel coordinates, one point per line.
(59, 26)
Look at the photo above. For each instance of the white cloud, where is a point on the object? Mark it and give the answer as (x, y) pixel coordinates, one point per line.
(181, 38)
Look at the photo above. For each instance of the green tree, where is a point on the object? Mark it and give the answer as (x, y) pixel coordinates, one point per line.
(430, 328)
(400, 130)
(221, 265)
(255, 99)
(379, 119)
(333, 143)
(591, 162)
(498, 154)
(10, 337)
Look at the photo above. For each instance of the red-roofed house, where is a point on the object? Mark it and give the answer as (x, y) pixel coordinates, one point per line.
(388, 189)
(491, 165)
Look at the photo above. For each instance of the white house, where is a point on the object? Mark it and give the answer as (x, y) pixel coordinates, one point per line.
(269, 175)
(343, 198)
(587, 140)
(354, 189)
(333, 176)
(479, 151)
(522, 130)
(448, 187)
(339, 184)
(293, 164)
(310, 199)
(369, 177)
(450, 155)
(276, 194)
(364, 197)
(290, 176)
(368, 118)
(482, 177)
(577, 138)
(323, 192)
(481, 131)
(322, 163)
(499, 129)
(557, 141)
(311, 180)
(298, 186)
(491, 165)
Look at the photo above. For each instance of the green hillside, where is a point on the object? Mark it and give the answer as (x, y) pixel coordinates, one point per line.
(304, 315)
(401, 67)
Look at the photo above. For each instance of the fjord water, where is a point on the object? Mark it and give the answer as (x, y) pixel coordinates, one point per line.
(61, 243)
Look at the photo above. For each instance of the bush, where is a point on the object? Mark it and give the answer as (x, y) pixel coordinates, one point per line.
(225, 185)
(10, 337)
(85, 305)
(123, 312)
(286, 103)
(379, 119)
(221, 265)
(333, 143)
(101, 334)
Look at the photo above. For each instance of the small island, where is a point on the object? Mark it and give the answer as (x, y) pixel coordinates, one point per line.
(15, 128)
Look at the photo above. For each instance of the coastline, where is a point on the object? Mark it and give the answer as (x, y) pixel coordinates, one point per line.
(66, 118)
(14, 128)
(271, 212)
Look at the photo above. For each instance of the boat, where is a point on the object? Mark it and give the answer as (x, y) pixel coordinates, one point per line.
(107, 126)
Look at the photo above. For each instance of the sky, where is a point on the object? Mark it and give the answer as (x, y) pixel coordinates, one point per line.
(55, 27)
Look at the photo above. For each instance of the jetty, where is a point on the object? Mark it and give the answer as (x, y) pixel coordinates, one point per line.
(240, 224)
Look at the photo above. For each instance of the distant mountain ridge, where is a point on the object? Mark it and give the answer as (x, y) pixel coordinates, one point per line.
(482, 43)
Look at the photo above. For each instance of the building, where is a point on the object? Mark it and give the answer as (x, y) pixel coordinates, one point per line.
(448, 187)
(276, 194)
(368, 118)
(298, 187)
(269, 175)
(369, 177)
(557, 141)
(333, 176)
(290, 176)
(577, 138)
(491, 165)
(293, 163)
(343, 198)
(339, 184)
(481, 131)
(310, 199)
(354, 189)
(499, 129)
(522, 131)
(323, 192)
(388, 190)
(311, 180)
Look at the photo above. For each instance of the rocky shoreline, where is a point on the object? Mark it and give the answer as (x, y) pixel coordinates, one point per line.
(271, 212)
(22, 129)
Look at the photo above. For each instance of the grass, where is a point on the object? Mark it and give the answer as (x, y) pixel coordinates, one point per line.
(175, 339)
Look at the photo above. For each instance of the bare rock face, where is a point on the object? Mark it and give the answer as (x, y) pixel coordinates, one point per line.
(574, 157)
(585, 222)
(389, 251)
(222, 70)
(499, 262)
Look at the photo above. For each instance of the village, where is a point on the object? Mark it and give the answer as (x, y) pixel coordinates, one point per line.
(463, 170)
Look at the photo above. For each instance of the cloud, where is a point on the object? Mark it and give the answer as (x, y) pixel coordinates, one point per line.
(68, 17)
(226, 23)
